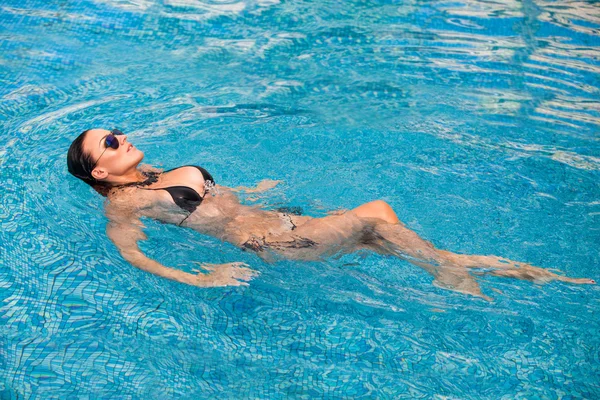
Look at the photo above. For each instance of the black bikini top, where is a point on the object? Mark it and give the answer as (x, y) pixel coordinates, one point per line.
(186, 197)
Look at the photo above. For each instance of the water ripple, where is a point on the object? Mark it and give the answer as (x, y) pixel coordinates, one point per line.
(477, 120)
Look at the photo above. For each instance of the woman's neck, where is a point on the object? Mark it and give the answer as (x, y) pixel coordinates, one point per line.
(132, 177)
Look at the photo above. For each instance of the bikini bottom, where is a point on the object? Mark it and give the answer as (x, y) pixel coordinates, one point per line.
(256, 243)
(259, 244)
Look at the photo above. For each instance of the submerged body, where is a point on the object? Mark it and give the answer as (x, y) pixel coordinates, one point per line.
(188, 196)
(270, 233)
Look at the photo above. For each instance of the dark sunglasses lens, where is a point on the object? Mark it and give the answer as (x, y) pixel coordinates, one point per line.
(112, 141)
(116, 132)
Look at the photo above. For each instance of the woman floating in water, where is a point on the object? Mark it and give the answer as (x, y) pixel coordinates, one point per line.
(188, 196)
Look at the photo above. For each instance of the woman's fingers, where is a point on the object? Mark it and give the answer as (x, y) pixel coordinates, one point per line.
(266, 185)
(229, 274)
(261, 187)
(241, 271)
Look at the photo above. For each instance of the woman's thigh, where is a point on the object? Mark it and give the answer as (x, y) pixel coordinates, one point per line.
(318, 237)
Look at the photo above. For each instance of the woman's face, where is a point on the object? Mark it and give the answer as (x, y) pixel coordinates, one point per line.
(111, 163)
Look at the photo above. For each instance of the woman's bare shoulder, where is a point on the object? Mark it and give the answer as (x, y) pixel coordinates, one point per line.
(133, 199)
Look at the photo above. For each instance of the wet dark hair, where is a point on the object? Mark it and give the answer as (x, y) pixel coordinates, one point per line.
(80, 165)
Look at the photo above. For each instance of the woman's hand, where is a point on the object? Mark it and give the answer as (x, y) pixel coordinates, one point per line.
(262, 186)
(265, 185)
(228, 274)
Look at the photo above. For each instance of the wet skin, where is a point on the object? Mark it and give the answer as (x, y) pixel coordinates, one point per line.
(271, 234)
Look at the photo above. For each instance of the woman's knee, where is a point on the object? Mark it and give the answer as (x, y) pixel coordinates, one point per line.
(386, 211)
(377, 209)
(380, 204)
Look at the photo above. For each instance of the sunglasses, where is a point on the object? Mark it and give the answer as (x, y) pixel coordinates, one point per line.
(110, 141)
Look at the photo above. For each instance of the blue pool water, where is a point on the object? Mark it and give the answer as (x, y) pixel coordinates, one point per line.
(477, 121)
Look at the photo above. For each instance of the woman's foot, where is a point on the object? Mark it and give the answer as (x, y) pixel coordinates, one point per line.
(510, 269)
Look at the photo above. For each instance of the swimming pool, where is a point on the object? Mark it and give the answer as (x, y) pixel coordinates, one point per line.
(477, 121)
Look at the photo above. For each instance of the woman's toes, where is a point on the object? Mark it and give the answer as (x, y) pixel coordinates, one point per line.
(586, 281)
(581, 281)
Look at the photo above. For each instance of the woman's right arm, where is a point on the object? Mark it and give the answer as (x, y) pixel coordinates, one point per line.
(125, 230)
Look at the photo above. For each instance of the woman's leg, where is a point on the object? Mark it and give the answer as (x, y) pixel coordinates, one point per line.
(398, 240)
(451, 270)
(365, 227)
(378, 209)
(511, 269)
(375, 226)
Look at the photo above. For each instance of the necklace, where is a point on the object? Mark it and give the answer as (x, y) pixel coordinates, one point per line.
(151, 177)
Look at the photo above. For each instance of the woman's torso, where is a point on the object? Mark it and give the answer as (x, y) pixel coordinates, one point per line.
(185, 197)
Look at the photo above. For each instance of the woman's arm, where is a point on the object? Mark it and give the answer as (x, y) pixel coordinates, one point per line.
(125, 230)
